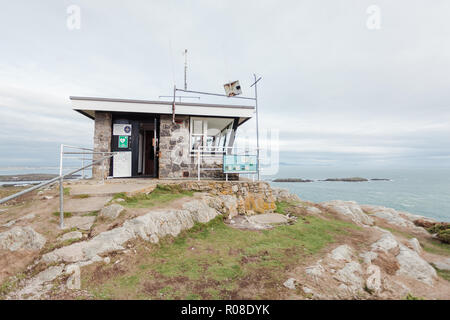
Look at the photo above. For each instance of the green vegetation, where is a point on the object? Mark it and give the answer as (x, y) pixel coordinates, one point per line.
(445, 274)
(10, 284)
(215, 261)
(411, 297)
(444, 235)
(66, 214)
(435, 246)
(81, 196)
(282, 206)
(66, 191)
(162, 194)
(442, 231)
(91, 214)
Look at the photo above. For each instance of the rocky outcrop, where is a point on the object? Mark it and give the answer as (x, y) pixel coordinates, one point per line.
(351, 277)
(229, 206)
(342, 253)
(112, 211)
(21, 238)
(412, 265)
(386, 243)
(443, 264)
(281, 194)
(27, 217)
(290, 283)
(35, 287)
(415, 245)
(74, 235)
(393, 217)
(376, 272)
(373, 281)
(353, 179)
(150, 227)
(350, 210)
(80, 222)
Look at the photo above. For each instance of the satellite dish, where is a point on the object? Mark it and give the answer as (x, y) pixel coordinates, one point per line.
(232, 88)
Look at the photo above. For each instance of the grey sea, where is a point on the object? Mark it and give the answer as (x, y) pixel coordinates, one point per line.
(420, 191)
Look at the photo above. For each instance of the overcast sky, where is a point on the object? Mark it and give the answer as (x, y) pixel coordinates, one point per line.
(339, 93)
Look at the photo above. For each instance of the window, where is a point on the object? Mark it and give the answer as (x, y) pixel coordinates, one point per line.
(210, 134)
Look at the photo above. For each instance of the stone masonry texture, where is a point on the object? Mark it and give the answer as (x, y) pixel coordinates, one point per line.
(102, 143)
(176, 161)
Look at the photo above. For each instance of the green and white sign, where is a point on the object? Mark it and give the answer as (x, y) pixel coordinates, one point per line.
(123, 141)
(239, 164)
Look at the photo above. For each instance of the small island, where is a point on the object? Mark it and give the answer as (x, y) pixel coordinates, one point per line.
(292, 180)
(353, 179)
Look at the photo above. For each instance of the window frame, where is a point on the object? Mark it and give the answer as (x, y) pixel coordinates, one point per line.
(225, 132)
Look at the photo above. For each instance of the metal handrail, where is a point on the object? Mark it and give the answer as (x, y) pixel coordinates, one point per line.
(61, 189)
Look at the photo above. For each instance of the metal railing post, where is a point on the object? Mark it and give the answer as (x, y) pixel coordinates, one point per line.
(61, 203)
(82, 165)
(61, 153)
(198, 165)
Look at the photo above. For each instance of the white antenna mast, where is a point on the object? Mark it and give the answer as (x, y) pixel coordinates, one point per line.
(185, 69)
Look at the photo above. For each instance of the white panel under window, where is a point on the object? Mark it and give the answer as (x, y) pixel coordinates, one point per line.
(122, 164)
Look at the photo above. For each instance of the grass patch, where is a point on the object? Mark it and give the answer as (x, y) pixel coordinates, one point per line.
(162, 194)
(281, 206)
(411, 297)
(66, 191)
(10, 284)
(130, 281)
(81, 196)
(445, 274)
(435, 246)
(213, 260)
(91, 214)
(66, 214)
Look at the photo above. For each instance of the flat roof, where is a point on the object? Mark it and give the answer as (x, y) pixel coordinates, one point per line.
(88, 105)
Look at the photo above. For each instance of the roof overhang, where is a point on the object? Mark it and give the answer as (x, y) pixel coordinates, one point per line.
(88, 105)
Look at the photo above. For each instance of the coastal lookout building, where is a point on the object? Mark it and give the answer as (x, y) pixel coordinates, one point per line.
(154, 139)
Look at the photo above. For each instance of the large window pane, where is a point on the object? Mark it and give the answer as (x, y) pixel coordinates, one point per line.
(212, 133)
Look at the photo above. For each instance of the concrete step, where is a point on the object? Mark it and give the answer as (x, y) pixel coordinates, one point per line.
(85, 204)
(109, 189)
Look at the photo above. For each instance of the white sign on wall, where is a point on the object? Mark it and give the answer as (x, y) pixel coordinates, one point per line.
(122, 164)
(120, 129)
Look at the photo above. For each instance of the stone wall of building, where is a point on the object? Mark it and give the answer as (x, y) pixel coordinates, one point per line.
(176, 161)
(102, 143)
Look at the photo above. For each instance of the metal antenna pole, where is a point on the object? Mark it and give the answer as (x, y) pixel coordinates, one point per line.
(185, 69)
(173, 103)
(257, 123)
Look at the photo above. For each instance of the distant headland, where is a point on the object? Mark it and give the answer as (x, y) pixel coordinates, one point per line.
(352, 179)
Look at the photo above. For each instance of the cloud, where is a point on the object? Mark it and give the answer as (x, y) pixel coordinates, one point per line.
(336, 92)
